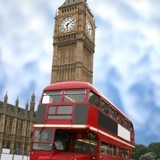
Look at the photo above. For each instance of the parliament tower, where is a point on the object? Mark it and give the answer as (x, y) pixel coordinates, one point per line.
(74, 43)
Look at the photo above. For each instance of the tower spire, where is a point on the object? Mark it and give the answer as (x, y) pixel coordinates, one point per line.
(6, 98)
(33, 97)
(17, 102)
(32, 102)
(27, 106)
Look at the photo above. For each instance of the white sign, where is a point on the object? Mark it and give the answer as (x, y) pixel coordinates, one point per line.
(6, 151)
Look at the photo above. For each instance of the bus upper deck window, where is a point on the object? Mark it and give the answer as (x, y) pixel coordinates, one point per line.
(94, 99)
(74, 96)
(51, 97)
(105, 107)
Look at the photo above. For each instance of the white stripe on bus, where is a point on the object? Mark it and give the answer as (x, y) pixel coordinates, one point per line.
(60, 125)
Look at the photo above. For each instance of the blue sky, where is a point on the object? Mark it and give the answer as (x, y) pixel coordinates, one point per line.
(126, 60)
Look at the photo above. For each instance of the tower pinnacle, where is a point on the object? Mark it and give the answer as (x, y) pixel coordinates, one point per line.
(6, 98)
(70, 2)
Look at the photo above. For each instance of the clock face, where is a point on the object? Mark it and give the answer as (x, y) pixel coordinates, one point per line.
(67, 24)
(89, 29)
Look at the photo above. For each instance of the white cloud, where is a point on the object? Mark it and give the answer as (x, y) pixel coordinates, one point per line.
(142, 7)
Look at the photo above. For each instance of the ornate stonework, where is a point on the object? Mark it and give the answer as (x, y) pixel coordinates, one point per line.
(16, 126)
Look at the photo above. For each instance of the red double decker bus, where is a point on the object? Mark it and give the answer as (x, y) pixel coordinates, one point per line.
(75, 121)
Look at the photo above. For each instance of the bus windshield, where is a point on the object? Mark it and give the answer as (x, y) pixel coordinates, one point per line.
(43, 139)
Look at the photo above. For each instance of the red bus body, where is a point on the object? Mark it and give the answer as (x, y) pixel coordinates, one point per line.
(75, 121)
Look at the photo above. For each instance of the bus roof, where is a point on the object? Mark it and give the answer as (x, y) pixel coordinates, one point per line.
(80, 85)
(71, 85)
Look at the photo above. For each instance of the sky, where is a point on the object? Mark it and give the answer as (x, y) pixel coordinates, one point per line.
(126, 59)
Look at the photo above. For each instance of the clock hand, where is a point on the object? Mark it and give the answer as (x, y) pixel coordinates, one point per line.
(69, 22)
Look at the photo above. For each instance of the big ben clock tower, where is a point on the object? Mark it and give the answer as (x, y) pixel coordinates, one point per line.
(74, 43)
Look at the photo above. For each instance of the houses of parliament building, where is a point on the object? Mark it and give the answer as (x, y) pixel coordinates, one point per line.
(73, 45)
(16, 126)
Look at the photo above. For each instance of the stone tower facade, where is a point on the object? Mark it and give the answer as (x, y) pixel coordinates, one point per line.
(74, 43)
